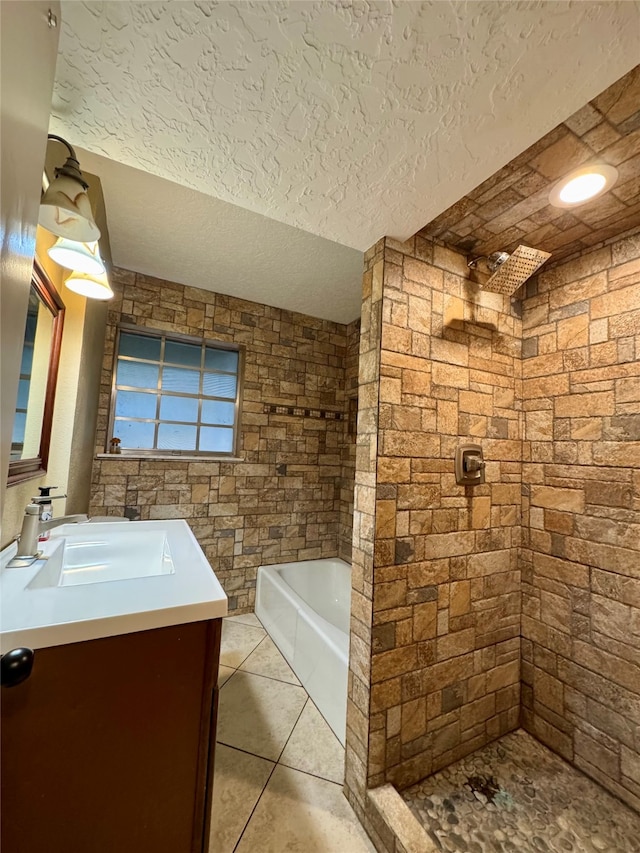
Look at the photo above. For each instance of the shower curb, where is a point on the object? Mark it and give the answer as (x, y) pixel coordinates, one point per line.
(386, 806)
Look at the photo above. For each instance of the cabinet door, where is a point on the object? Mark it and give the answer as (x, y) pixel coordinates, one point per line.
(106, 747)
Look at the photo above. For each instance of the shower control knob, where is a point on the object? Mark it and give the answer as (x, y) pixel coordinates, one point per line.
(469, 465)
(474, 463)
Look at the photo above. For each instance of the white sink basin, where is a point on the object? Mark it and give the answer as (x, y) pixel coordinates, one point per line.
(89, 557)
(98, 580)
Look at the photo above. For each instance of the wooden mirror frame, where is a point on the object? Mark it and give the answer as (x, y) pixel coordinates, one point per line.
(28, 469)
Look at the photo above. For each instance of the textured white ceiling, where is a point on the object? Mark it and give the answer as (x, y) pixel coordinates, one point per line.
(350, 120)
(160, 228)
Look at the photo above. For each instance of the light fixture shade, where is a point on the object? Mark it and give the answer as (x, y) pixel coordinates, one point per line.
(65, 210)
(91, 286)
(83, 257)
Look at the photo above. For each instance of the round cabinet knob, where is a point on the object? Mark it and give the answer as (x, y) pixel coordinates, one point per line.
(16, 666)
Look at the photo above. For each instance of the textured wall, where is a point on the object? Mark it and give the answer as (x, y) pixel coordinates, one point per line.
(581, 566)
(283, 500)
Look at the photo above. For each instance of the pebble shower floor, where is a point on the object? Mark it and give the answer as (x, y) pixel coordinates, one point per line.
(516, 796)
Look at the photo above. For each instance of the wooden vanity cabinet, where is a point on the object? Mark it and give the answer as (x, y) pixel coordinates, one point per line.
(108, 746)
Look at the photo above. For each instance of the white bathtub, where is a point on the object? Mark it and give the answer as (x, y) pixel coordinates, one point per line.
(305, 608)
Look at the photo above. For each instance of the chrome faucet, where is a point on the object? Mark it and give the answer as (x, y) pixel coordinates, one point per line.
(33, 527)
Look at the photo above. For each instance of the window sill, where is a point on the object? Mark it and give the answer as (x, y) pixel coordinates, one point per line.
(123, 457)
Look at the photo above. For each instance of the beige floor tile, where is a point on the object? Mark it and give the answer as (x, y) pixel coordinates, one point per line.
(314, 748)
(266, 659)
(224, 673)
(298, 813)
(238, 641)
(258, 714)
(237, 784)
(246, 619)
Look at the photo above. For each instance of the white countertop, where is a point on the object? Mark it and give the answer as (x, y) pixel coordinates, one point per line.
(56, 615)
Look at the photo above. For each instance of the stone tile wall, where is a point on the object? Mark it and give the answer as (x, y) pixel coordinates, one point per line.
(445, 639)
(581, 560)
(359, 688)
(288, 499)
(446, 623)
(348, 454)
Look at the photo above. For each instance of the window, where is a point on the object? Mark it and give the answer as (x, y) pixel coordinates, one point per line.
(174, 395)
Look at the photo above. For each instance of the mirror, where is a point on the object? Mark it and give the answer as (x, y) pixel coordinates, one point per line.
(37, 384)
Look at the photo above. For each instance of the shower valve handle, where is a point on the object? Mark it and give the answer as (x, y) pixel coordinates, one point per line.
(474, 463)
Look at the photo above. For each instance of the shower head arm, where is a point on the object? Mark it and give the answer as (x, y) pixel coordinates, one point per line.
(472, 263)
(493, 261)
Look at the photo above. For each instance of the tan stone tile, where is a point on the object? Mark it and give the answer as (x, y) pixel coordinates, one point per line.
(583, 405)
(267, 660)
(385, 519)
(424, 620)
(413, 719)
(460, 598)
(470, 401)
(616, 302)
(299, 811)
(481, 512)
(489, 562)
(424, 273)
(238, 641)
(573, 332)
(477, 712)
(393, 663)
(258, 714)
(389, 595)
(239, 780)
(393, 470)
(456, 643)
(313, 747)
(450, 375)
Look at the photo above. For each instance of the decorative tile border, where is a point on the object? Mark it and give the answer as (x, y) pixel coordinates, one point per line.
(297, 412)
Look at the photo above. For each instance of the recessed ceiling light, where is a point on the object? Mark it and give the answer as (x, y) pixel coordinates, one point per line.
(583, 185)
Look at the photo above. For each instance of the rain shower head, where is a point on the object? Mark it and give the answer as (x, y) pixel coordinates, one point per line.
(510, 271)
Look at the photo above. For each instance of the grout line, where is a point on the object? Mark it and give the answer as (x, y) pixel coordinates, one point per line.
(262, 675)
(246, 752)
(313, 775)
(248, 821)
(277, 762)
(271, 678)
(343, 748)
(293, 728)
(297, 769)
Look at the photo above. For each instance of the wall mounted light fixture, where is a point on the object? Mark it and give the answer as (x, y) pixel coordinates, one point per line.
(91, 286)
(84, 257)
(65, 209)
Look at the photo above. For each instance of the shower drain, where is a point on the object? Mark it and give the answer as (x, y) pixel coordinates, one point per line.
(485, 785)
